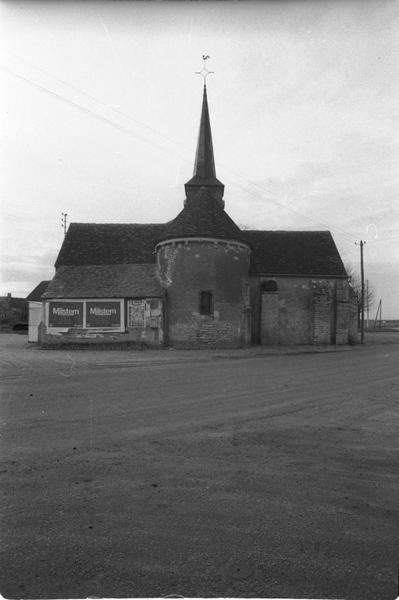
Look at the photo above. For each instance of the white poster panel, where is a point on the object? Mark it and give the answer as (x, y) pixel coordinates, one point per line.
(136, 313)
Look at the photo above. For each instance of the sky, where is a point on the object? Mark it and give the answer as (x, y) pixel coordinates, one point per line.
(100, 108)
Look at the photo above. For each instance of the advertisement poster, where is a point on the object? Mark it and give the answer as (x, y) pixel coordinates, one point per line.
(136, 313)
(65, 314)
(103, 314)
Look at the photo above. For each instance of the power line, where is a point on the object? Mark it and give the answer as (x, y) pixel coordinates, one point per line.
(93, 98)
(387, 239)
(124, 129)
(260, 189)
(170, 140)
(83, 108)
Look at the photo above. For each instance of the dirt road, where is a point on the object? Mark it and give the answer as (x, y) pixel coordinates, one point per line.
(140, 475)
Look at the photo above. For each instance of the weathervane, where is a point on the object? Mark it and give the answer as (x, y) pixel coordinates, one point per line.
(204, 71)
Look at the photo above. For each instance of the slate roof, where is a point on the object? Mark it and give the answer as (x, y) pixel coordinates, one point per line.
(204, 165)
(109, 244)
(104, 281)
(203, 217)
(36, 293)
(116, 260)
(311, 253)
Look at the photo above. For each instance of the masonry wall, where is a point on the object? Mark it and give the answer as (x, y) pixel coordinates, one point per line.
(142, 325)
(302, 311)
(284, 316)
(188, 267)
(323, 312)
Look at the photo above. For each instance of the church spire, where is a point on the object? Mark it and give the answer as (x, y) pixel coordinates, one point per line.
(204, 166)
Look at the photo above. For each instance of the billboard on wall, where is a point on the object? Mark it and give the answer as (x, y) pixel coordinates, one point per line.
(103, 314)
(65, 314)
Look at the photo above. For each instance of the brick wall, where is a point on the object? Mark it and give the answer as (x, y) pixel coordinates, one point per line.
(269, 325)
(302, 311)
(88, 337)
(284, 316)
(188, 267)
(322, 307)
(148, 333)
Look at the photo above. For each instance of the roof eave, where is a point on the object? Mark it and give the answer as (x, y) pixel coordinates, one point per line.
(307, 275)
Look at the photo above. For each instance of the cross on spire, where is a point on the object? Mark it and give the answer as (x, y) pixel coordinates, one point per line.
(204, 174)
(204, 71)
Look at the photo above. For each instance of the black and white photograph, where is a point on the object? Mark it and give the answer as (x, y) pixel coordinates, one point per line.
(199, 301)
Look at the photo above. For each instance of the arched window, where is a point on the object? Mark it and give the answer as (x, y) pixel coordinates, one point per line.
(206, 303)
(269, 286)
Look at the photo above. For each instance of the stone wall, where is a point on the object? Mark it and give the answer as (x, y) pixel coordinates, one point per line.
(146, 330)
(323, 312)
(281, 317)
(302, 311)
(188, 267)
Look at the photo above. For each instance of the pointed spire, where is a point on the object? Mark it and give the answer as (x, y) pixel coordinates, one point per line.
(204, 166)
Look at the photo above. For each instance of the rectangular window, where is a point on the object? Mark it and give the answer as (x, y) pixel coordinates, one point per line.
(206, 303)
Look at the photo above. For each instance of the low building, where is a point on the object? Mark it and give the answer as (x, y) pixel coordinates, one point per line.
(198, 280)
(13, 313)
(36, 314)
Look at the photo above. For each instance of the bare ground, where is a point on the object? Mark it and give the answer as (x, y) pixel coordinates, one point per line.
(249, 474)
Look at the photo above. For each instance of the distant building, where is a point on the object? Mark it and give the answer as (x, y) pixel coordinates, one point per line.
(36, 314)
(13, 313)
(198, 280)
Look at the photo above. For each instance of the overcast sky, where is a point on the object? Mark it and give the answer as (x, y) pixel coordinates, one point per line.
(100, 110)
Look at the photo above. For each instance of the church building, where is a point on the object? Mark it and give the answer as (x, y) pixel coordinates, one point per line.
(199, 280)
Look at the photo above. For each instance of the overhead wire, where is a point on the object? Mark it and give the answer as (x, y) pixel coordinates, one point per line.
(83, 108)
(262, 190)
(124, 129)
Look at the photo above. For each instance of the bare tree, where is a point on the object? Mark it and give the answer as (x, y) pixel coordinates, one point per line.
(356, 285)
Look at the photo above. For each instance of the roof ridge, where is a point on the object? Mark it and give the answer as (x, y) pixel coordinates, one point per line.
(118, 224)
(285, 231)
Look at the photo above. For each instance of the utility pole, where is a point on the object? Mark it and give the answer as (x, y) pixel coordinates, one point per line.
(64, 221)
(361, 244)
(367, 304)
(378, 313)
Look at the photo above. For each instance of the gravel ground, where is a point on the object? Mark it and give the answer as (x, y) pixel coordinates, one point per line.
(259, 473)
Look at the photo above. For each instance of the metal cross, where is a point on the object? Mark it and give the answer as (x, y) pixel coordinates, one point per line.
(204, 71)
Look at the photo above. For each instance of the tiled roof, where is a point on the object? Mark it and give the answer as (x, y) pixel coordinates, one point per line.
(104, 281)
(204, 217)
(311, 253)
(109, 244)
(36, 294)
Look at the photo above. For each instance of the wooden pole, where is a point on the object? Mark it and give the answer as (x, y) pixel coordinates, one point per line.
(378, 313)
(362, 293)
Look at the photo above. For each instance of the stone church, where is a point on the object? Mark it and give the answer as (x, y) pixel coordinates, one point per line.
(199, 280)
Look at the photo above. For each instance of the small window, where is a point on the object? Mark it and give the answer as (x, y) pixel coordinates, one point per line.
(269, 285)
(206, 303)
